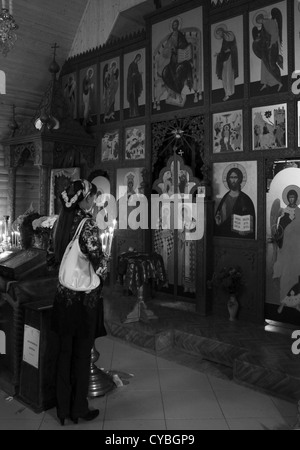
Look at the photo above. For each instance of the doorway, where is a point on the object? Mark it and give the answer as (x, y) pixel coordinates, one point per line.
(176, 218)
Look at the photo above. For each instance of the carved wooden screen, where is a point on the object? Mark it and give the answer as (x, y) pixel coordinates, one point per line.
(177, 155)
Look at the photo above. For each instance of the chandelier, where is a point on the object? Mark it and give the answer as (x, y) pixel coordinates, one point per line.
(8, 26)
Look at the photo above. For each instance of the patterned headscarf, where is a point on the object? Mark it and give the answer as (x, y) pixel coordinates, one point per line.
(75, 193)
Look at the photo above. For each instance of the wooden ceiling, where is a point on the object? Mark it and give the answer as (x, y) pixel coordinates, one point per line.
(41, 24)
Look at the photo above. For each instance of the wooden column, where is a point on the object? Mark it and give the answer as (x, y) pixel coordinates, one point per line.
(205, 262)
(11, 193)
(44, 189)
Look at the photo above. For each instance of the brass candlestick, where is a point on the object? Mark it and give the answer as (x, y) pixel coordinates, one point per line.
(100, 382)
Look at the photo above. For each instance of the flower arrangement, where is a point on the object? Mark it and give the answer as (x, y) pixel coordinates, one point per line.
(42, 230)
(34, 229)
(229, 278)
(23, 225)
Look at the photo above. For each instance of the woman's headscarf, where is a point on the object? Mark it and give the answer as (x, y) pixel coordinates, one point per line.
(71, 197)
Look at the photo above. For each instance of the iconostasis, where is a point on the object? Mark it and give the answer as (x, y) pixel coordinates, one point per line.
(218, 77)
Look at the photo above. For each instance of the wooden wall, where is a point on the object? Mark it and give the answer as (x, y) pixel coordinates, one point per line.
(41, 24)
(3, 185)
(97, 23)
(27, 188)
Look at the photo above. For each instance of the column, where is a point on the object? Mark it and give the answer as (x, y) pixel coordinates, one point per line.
(44, 189)
(11, 193)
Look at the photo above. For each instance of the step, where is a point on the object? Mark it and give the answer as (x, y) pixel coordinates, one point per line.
(142, 335)
(210, 349)
(277, 381)
(250, 354)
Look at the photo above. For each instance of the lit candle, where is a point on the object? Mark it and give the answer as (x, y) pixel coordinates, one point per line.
(107, 241)
(103, 242)
(111, 233)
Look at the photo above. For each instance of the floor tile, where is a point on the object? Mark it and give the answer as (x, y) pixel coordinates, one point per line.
(292, 422)
(97, 403)
(51, 424)
(195, 425)
(13, 409)
(134, 405)
(164, 363)
(263, 424)
(251, 404)
(142, 379)
(287, 409)
(167, 392)
(219, 384)
(20, 425)
(181, 378)
(127, 358)
(191, 405)
(134, 425)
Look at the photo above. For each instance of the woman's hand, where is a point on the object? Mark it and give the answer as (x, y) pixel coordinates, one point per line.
(103, 269)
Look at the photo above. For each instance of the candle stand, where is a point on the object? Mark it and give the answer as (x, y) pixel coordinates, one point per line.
(100, 382)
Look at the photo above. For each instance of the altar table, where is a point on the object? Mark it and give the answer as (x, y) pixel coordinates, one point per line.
(136, 270)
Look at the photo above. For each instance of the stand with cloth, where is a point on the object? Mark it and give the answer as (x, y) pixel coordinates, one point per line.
(135, 270)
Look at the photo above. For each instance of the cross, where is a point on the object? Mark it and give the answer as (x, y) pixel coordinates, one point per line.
(181, 153)
(55, 47)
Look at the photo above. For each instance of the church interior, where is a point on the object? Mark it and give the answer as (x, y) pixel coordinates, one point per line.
(185, 114)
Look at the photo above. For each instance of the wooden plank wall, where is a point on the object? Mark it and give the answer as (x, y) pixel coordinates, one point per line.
(97, 23)
(3, 186)
(27, 188)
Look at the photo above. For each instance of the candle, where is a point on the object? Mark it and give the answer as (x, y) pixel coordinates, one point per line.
(10, 7)
(3, 4)
(111, 234)
(107, 241)
(103, 238)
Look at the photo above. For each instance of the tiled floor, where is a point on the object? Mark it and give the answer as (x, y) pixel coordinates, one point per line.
(159, 394)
